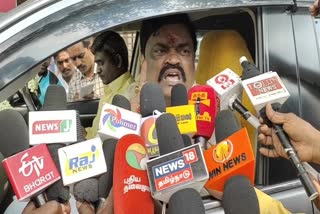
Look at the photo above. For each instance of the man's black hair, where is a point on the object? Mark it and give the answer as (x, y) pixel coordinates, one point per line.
(151, 26)
(113, 45)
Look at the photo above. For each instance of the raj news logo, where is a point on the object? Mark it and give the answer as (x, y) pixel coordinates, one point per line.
(28, 166)
(223, 151)
(82, 162)
(51, 126)
(114, 120)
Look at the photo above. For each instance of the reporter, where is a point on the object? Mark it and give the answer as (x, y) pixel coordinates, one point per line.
(304, 137)
(50, 207)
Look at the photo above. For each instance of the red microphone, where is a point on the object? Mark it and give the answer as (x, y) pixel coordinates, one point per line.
(131, 189)
(204, 99)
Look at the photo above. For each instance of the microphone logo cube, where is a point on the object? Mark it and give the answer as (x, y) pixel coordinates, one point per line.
(82, 160)
(186, 118)
(116, 122)
(57, 127)
(31, 171)
(184, 168)
(149, 135)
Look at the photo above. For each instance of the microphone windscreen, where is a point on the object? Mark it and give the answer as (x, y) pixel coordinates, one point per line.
(239, 196)
(121, 101)
(186, 140)
(226, 124)
(179, 95)
(131, 191)
(55, 99)
(14, 133)
(169, 137)
(57, 191)
(86, 190)
(205, 101)
(151, 98)
(186, 201)
(106, 179)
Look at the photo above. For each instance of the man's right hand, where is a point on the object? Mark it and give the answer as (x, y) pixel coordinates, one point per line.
(314, 8)
(304, 137)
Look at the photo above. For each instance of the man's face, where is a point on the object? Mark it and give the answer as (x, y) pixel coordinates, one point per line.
(170, 57)
(82, 57)
(64, 64)
(105, 69)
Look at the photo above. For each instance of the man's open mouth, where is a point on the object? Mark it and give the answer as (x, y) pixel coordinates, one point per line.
(172, 75)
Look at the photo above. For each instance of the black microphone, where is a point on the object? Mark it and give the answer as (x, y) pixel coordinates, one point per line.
(179, 95)
(121, 101)
(239, 196)
(105, 181)
(226, 124)
(186, 140)
(55, 99)
(86, 190)
(169, 136)
(186, 201)
(151, 98)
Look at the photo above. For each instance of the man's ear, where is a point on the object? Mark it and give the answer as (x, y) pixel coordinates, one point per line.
(119, 59)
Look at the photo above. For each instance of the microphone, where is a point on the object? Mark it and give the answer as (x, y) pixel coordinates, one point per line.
(152, 103)
(105, 181)
(185, 114)
(233, 155)
(204, 99)
(265, 88)
(239, 196)
(177, 167)
(186, 201)
(55, 99)
(131, 186)
(117, 120)
(86, 190)
(186, 140)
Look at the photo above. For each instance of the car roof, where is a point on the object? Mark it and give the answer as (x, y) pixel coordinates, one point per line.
(38, 29)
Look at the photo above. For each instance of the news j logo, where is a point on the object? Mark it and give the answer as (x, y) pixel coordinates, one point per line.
(223, 151)
(136, 156)
(113, 120)
(81, 162)
(51, 126)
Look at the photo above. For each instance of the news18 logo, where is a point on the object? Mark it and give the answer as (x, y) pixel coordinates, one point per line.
(175, 171)
(81, 162)
(51, 126)
(114, 120)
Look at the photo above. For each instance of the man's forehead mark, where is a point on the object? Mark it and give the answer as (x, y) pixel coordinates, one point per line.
(172, 38)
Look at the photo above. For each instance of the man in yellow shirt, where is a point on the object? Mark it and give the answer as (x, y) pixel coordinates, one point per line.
(111, 58)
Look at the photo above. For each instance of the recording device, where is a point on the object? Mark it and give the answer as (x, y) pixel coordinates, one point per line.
(185, 114)
(233, 155)
(186, 201)
(239, 196)
(177, 167)
(152, 104)
(203, 97)
(131, 191)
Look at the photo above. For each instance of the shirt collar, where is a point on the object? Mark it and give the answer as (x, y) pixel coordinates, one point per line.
(116, 84)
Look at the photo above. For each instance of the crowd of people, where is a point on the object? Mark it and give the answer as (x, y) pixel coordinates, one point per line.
(168, 48)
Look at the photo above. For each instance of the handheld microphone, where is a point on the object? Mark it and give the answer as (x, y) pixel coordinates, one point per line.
(239, 196)
(131, 190)
(233, 155)
(152, 103)
(204, 99)
(86, 190)
(105, 181)
(186, 201)
(185, 114)
(186, 140)
(268, 88)
(177, 167)
(55, 99)
(117, 120)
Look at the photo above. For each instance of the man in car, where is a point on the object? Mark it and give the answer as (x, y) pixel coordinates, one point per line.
(83, 59)
(111, 58)
(168, 46)
(65, 67)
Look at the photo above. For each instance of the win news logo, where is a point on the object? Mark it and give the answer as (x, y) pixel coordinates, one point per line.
(51, 126)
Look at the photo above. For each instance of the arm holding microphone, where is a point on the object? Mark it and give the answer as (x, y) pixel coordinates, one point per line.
(53, 207)
(303, 136)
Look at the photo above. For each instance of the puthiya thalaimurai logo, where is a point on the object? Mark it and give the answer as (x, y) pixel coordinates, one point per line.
(114, 120)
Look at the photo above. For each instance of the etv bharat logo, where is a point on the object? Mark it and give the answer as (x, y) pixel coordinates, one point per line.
(51, 126)
(28, 166)
(114, 120)
(136, 156)
(223, 151)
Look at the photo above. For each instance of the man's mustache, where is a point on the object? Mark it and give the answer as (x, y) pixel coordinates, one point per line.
(170, 66)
